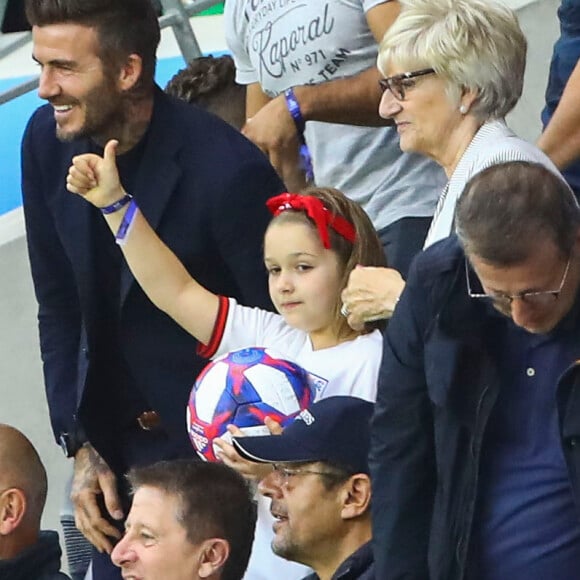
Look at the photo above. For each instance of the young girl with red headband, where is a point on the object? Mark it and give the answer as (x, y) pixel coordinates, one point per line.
(312, 244)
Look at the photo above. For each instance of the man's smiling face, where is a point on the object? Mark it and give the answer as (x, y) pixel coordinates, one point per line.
(75, 81)
(155, 545)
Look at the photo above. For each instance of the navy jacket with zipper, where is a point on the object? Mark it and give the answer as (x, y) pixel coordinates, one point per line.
(437, 387)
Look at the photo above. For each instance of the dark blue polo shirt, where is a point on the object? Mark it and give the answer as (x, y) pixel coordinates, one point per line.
(526, 525)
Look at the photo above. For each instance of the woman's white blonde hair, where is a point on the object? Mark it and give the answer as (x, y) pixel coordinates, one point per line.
(471, 44)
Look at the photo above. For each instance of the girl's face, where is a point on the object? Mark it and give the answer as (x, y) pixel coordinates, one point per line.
(304, 280)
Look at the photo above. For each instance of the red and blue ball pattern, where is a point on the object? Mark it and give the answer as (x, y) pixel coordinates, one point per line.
(243, 388)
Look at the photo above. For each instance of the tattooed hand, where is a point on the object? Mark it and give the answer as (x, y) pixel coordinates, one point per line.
(92, 477)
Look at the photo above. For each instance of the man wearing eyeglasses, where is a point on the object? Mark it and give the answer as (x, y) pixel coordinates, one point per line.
(476, 435)
(320, 488)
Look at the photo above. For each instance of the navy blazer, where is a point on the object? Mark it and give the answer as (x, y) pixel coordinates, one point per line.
(203, 188)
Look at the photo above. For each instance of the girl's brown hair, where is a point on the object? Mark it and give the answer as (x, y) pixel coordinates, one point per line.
(366, 249)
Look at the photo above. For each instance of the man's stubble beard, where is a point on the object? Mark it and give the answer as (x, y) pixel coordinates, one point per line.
(105, 115)
(286, 549)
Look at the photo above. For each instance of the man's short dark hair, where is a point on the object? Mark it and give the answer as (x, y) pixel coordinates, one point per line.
(215, 502)
(506, 207)
(123, 27)
(210, 82)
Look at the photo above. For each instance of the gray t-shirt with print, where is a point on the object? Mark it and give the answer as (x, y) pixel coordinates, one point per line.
(286, 43)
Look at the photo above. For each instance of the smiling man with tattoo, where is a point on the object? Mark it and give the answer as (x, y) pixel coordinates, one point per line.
(117, 370)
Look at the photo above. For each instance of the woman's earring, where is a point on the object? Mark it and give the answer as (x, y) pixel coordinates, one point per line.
(463, 109)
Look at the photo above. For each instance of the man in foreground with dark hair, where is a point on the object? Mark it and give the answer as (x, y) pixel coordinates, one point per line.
(189, 520)
(475, 452)
(117, 370)
(320, 488)
(26, 553)
(210, 83)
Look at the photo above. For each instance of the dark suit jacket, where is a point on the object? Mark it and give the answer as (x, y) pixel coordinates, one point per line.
(438, 385)
(203, 187)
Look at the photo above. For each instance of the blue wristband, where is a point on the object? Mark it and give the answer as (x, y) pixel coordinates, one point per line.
(126, 223)
(296, 114)
(294, 110)
(117, 205)
(306, 163)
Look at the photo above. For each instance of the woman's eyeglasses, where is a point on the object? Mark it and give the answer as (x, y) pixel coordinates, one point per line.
(397, 84)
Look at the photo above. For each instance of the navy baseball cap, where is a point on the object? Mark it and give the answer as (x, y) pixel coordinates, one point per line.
(336, 429)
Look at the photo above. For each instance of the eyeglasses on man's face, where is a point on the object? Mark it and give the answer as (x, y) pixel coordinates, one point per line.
(535, 299)
(398, 84)
(287, 473)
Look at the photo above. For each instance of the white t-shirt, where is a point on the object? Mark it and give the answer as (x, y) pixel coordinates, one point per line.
(287, 43)
(350, 368)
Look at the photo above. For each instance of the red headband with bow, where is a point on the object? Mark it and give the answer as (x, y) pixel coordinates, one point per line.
(317, 212)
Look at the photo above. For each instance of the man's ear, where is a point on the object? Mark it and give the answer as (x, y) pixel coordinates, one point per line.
(130, 72)
(213, 555)
(356, 496)
(12, 510)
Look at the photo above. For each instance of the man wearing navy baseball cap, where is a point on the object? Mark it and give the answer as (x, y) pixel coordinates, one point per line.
(320, 488)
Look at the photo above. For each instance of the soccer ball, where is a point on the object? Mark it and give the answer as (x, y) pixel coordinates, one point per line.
(242, 388)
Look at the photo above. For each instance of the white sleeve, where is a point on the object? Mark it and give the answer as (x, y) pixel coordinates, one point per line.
(235, 33)
(368, 4)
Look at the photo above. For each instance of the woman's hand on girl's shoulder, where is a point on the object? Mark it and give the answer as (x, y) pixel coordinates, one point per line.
(371, 294)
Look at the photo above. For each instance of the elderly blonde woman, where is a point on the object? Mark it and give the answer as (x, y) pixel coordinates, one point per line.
(453, 70)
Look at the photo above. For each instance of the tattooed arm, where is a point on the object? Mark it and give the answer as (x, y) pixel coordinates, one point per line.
(93, 477)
